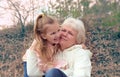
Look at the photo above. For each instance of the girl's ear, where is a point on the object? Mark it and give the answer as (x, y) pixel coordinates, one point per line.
(43, 36)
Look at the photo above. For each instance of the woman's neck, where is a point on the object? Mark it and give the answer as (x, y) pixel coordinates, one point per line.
(63, 47)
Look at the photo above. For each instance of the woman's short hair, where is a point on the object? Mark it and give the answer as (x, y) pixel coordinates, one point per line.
(78, 25)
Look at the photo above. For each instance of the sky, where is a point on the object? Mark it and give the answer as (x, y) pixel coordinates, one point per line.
(5, 16)
(6, 19)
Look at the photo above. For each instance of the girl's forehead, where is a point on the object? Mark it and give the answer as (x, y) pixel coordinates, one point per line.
(52, 27)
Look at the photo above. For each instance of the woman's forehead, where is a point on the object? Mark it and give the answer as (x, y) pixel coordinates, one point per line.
(71, 29)
(67, 26)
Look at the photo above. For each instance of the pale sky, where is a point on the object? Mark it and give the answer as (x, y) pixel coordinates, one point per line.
(5, 16)
(6, 19)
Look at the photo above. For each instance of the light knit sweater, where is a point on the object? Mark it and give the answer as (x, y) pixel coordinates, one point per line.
(32, 64)
(77, 60)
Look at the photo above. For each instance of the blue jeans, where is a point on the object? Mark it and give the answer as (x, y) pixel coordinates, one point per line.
(54, 72)
(25, 69)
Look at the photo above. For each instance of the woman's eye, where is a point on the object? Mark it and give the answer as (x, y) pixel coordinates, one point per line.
(58, 30)
(70, 33)
(63, 30)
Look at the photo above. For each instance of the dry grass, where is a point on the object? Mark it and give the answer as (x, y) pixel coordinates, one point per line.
(104, 42)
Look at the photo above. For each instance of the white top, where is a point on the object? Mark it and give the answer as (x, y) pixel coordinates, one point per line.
(32, 64)
(78, 59)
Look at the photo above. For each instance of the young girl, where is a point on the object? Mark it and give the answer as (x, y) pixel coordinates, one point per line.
(43, 48)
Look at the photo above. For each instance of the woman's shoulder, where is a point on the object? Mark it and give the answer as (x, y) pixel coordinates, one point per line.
(81, 51)
(73, 48)
(77, 50)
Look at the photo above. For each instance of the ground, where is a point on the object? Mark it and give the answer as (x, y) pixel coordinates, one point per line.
(103, 42)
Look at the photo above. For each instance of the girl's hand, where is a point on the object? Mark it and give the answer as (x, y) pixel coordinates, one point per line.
(49, 65)
(46, 66)
(61, 65)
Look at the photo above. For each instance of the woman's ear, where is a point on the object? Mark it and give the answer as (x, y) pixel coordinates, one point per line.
(43, 36)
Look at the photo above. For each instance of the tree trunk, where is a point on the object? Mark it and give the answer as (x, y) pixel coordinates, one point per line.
(22, 33)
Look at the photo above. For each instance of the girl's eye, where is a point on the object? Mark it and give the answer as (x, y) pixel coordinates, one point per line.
(52, 33)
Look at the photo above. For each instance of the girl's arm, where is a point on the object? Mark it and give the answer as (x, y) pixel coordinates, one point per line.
(32, 64)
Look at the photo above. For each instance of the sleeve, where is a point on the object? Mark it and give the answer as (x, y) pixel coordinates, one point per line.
(68, 71)
(32, 68)
(82, 66)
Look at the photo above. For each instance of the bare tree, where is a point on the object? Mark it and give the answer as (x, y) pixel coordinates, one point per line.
(18, 15)
(21, 12)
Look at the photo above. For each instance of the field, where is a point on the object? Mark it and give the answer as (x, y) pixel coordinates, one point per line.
(104, 43)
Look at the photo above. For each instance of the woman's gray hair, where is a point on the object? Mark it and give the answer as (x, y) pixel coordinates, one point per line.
(78, 25)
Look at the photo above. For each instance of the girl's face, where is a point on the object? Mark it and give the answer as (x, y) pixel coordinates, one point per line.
(52, 33)
(68, 37)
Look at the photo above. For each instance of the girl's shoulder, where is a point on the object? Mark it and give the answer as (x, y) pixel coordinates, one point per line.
(32, 52)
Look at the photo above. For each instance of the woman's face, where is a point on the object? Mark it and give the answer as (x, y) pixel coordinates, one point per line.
(52, 33)
(68, 37)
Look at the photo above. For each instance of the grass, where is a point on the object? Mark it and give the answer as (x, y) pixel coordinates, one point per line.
(103, 42)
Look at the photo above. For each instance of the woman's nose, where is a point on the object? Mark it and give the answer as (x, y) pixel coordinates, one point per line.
(58, 35)
(65, 33)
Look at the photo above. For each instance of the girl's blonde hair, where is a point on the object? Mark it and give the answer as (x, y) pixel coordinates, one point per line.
(40, 28)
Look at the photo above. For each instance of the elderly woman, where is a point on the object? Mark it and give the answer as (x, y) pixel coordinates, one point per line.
(77, 60)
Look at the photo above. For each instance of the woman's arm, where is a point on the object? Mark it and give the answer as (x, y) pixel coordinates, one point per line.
(82, 65)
